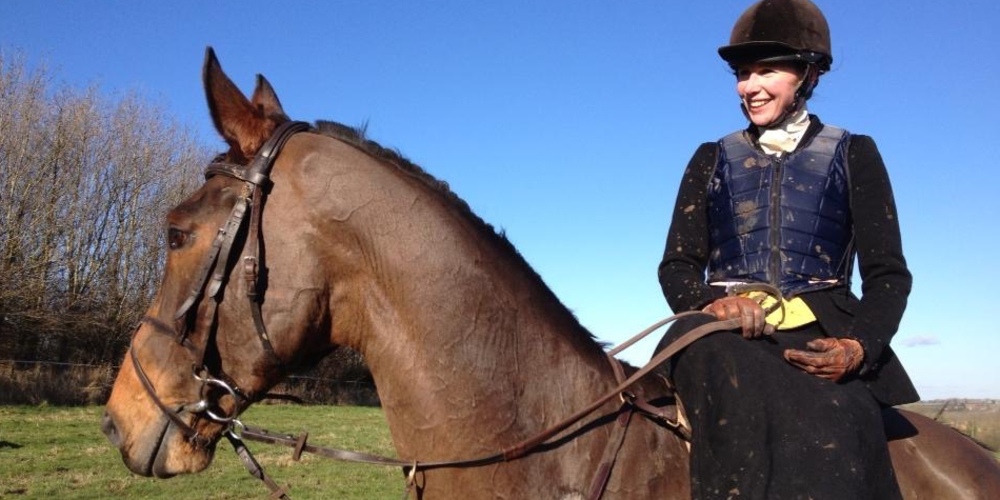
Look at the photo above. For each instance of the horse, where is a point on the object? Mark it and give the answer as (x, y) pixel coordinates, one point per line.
(469, 349)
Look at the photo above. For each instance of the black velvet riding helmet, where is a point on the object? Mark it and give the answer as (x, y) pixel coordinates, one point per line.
(780, 31)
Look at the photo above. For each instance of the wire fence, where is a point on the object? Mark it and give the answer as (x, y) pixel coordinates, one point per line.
(61, 383)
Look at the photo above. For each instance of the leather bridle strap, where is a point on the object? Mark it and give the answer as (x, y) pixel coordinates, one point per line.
(189, 432)
(212, 272)
(253, 467)
(617, 438)
(221, 245)
(256, 178)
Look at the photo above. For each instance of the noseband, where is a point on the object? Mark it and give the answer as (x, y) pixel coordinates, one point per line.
(209, 279)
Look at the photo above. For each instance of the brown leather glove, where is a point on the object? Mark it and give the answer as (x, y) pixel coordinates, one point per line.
(748, 311)
(829, 358)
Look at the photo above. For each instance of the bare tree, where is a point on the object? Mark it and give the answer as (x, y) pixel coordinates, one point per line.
(85, 181)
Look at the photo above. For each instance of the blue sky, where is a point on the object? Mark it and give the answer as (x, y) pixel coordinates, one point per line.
(568, 124)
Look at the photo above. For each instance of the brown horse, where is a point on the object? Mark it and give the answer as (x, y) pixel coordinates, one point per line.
(470, 351)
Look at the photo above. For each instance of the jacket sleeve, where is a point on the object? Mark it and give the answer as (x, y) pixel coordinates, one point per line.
(886, 281)
(682, 270)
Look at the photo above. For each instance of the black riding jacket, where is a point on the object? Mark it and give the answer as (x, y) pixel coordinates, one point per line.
(886, 281)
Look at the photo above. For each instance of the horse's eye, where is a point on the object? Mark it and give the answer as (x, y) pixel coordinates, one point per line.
(176, 238)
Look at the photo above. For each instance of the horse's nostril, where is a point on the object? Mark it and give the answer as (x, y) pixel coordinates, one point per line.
(109, 429)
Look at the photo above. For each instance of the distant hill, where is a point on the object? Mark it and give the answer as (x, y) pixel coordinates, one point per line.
(955, 404)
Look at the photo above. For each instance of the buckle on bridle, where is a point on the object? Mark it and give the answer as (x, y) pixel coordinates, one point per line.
(250, 275)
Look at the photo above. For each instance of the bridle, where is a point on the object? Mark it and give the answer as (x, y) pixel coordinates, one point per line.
(208, 283)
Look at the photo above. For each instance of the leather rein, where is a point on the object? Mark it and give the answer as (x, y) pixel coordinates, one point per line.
(210, 279)
(631, 402)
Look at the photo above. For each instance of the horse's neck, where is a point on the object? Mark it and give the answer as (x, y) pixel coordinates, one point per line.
(459, 334)
(469, 350)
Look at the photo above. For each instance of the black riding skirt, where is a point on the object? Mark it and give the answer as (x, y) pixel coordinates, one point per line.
(763, 429)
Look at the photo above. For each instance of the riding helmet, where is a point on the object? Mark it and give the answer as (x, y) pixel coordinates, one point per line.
(779, 31)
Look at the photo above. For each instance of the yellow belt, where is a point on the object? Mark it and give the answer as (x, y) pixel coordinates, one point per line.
(796, 313)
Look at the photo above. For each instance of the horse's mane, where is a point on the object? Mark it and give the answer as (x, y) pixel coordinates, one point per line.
(356, 136)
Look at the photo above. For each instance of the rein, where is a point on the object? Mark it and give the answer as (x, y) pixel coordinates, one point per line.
(531, 444)
(209, 280)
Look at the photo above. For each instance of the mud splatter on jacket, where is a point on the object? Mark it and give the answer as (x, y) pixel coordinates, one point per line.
(783, 221)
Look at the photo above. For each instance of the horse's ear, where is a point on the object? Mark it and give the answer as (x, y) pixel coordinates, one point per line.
(266, 100)
(241, 124)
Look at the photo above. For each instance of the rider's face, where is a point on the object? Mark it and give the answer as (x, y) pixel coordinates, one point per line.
(767, 90)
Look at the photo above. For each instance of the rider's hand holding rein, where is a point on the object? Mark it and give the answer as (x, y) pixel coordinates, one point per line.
(748, 311)
(829, 358)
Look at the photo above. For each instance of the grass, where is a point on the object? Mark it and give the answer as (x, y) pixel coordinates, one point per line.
(59, 452)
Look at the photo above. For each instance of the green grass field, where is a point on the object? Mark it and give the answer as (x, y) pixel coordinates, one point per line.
(60, 453)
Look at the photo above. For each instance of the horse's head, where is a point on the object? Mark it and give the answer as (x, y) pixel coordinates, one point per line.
(356, 246)
(199, 357)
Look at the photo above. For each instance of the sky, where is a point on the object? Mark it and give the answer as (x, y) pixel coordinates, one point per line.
(568, 123)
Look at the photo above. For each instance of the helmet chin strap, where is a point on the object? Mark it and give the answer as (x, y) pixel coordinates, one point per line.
(801, 89)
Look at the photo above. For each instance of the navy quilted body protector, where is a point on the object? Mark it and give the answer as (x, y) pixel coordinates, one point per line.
(783, 221)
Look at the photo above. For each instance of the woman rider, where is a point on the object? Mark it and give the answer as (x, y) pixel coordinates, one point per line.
(789, 202)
